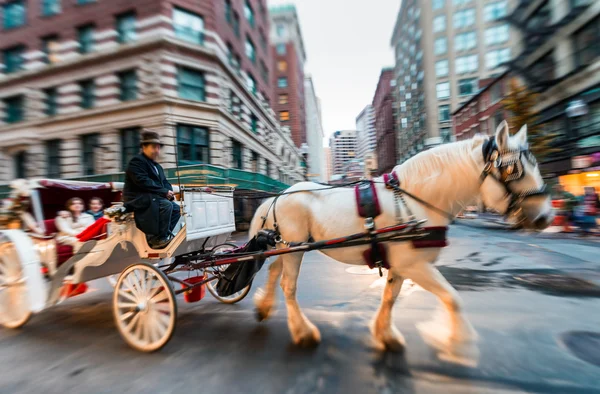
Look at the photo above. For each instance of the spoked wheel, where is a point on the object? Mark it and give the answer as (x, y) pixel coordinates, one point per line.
(144, 307)
(14, 305)
(212, 285)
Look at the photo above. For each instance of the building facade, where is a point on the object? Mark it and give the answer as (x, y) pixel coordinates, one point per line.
(328, 164)
(385, 133)
(288, 71)
(484, 112)
(366, 140)
(79, 81)
(343, 151)
(442, 50)
(314, 133)
(560, 60)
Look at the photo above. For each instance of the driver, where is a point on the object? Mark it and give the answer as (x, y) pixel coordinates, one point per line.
(149, 195)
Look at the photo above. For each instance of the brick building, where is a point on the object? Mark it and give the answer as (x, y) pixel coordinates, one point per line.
(383, 109)
(79, 79)
(289, 57)
(482, 113)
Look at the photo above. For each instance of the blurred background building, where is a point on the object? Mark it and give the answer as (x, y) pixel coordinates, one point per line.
(442, 50)
(383, 109)
(365, 132)
(314, 133)
(343, 150)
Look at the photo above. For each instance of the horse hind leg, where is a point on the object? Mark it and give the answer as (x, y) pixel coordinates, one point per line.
(303, 332)
(384, 331)
(264, 300)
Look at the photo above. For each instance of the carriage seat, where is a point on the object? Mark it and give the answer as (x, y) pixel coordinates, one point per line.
(63, 252)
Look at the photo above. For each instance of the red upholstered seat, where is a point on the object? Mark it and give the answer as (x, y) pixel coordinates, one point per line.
(63, 252)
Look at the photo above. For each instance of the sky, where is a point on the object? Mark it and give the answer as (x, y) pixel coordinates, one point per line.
(347, 43)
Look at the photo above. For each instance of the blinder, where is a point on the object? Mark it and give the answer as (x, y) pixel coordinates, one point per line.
(509, 168)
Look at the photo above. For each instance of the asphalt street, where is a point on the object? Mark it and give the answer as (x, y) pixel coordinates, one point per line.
(534, 337)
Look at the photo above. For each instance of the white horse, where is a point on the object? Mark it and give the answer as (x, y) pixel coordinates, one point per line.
(448, 177)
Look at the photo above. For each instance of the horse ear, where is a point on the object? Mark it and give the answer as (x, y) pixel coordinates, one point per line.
(521, 136)
(502, 135)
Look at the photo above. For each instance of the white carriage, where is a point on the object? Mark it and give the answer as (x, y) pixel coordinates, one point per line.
(36, 272)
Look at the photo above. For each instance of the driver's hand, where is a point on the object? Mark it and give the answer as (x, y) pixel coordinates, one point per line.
(170, 195)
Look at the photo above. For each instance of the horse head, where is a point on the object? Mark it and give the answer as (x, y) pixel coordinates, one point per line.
(512, 181)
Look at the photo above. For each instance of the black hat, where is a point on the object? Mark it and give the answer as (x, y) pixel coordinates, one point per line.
(150, 137)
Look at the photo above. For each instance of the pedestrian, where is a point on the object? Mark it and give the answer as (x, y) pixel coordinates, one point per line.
(589, 210)
(96, 206)
(569, 202)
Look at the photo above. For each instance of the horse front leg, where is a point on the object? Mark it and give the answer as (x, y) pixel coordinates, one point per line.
(456, 341)
(264, 300)
(303, 332)
(384, 331)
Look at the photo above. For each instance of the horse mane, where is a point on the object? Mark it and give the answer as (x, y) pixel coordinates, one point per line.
(441, 173)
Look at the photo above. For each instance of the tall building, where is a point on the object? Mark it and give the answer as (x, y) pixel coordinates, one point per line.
(343, 150)
(560, 60)
(288, 71)
(314, 133)
(366, 140)
(328, 164)
(79, 80)
(383, 109)
(442, 49)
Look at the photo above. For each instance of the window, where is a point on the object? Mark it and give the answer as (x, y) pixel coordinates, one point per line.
(281, 49)
(494, 58)
(438, 4)
(402, 106)
(130, 145)
(250, 50)
(126, 27)
(188, 26)
(89, 143)
(85, 36)
(587, 43)
(439, 23)
(251, 84)
(88, 96)
(190, 84)
(444, 113)
(464, 18)
(264, 71)
(263, 40)
(13, 109)
(280, 29)
(192, 144)
(50, 48)
(544, 66)
(50, 7)
(53, 155)
(465, 41)
(236, 155)
(496, 35)
(236, 23)
(267, 168)
(282, 82)
(443, 90)
(85, 1)
(446, 134)
(494, 11)
(441, 68)
(404, 122)
(254, 162)
(234, 60)
(228, 12)
(249, 13)
(461, 2)
(467, 64)
(13, 59)
(254, 123)
(51, 95)
(282, 65)
(20, 169)
(284, 116)
(14, 14)
(128, 85)
(283, 99)
(467, 86)
(440, 45)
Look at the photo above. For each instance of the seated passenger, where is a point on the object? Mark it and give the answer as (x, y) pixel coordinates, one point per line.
(72, 222)
(96, 208)
(149, 195)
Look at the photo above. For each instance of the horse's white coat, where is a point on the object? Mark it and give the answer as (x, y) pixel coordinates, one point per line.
(448, 177)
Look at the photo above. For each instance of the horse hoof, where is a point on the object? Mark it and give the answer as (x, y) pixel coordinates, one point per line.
(311, 339)
(260, 315)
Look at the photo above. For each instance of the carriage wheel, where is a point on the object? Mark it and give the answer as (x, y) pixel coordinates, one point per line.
(144, 307)
(112, 280)
(14, 308)
(212, 285)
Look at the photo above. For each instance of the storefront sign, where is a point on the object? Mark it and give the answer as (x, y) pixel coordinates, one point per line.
(589, 142)
(581, 161)
(577, 108)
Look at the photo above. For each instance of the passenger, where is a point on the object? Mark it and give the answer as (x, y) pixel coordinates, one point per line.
(72, 222)
(149, 195)
(96, 208)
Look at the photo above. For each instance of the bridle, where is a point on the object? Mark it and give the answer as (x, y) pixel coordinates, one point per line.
(506, 167)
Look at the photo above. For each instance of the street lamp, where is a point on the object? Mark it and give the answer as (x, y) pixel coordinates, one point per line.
(304, 151)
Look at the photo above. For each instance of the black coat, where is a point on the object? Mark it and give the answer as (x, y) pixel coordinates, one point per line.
(143, 188)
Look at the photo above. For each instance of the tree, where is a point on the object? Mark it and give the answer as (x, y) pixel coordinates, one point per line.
(519, 103)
